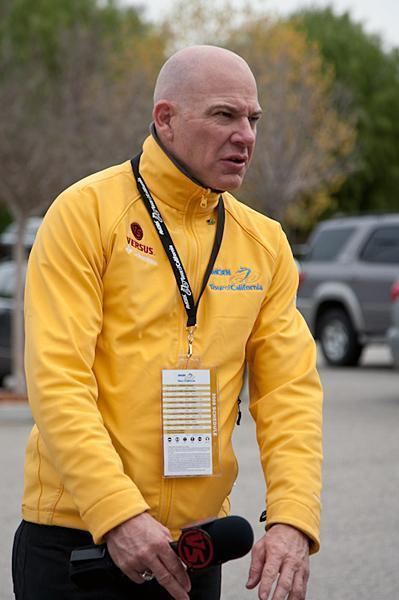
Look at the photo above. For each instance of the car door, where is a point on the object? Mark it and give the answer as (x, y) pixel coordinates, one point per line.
(376, 270)
(325, 263)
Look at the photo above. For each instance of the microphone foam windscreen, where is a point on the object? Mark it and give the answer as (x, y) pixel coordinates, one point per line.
(232, 537)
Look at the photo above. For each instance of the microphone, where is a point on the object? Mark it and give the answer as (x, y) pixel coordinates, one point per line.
(214, 542)
(199, 546)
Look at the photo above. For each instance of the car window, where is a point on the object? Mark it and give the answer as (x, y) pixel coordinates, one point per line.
(328, 243)
(382, 246)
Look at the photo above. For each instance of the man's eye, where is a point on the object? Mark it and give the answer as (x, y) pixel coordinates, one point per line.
(224, 113)
(253, 121)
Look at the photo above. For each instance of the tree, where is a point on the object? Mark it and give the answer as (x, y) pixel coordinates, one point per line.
(305, 142)
(78, 102)
(369, 75)
(203, 22)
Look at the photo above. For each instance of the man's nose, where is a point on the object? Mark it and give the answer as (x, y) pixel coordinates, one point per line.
(245, 133)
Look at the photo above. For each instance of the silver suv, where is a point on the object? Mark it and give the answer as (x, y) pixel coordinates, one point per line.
(347, 274)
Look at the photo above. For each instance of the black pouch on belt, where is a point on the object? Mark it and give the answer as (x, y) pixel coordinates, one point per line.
(91, 566)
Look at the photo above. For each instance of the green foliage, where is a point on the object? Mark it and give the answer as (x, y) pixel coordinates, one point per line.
(370, 75)
(76, 80)
(32, 32)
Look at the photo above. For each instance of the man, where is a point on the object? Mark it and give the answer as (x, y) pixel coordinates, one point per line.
(116, 318)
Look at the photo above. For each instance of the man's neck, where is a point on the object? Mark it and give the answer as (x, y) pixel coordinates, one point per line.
(175, 161)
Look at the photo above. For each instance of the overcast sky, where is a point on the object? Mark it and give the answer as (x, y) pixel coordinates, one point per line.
(378, 16)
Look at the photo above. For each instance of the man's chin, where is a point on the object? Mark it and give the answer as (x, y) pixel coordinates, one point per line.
(228, 183)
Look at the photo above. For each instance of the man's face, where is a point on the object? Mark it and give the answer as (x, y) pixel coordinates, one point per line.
(214, 130)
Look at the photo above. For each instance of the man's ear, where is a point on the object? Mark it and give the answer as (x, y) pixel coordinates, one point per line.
(162, 116)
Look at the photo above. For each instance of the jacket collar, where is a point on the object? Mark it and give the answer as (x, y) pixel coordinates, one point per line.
(168, 181)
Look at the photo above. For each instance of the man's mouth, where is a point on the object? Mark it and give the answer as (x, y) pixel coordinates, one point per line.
(237, 160)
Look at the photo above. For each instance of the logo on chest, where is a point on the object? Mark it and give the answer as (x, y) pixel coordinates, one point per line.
(243, 279)
(137, 231)
(136, 246)
(135, 241)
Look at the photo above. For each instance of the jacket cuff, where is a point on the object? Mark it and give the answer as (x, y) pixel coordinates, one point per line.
(297, 515)
(112, 511)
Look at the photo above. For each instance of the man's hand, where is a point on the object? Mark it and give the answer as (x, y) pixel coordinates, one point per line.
(282, 552)
(143, 543)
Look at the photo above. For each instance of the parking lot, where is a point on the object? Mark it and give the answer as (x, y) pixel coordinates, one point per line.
(360, 523)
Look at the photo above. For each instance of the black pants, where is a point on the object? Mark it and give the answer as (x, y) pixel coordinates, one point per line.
(40, 570)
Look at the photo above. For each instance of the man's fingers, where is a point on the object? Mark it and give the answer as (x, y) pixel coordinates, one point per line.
(167, 580)
(135, 576)
(258, 557)
(138, 544)
(175, 566)
(299, 586)
(132, 571)
(269, 576)
(284, 584)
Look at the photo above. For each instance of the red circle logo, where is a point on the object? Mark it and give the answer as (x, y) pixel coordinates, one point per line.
(195, 548)
(137, 231)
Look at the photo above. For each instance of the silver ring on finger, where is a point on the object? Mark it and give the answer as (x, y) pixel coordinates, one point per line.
(147, 575)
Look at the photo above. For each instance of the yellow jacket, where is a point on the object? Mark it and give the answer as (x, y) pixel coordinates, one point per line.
(104, 316)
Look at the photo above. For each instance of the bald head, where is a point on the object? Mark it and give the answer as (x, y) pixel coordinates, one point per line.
(184, 72)
(205, 114)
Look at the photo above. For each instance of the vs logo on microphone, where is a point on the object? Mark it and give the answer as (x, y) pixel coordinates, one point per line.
(195, 548)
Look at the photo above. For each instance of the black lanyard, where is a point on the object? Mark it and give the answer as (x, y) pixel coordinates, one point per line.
(171, 252)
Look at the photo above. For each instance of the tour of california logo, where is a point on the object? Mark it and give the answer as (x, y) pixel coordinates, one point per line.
(243, 279)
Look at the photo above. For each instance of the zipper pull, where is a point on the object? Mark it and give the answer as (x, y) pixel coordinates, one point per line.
(204, 198)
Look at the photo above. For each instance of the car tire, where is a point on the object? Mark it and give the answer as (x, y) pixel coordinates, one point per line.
(338, 339)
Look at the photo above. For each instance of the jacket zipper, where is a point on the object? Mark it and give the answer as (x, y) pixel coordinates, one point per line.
(204, 198)
(168, 484)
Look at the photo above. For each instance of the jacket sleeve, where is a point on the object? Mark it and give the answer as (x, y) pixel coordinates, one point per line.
(63, 317)
(286, 403)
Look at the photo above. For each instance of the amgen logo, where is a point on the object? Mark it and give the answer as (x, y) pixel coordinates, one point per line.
(243, 279)
(221, 272)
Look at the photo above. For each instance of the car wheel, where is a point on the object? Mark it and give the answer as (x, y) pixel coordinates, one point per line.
(338, 338)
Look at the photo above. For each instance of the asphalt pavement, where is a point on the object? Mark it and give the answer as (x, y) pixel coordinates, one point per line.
(360, 522)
